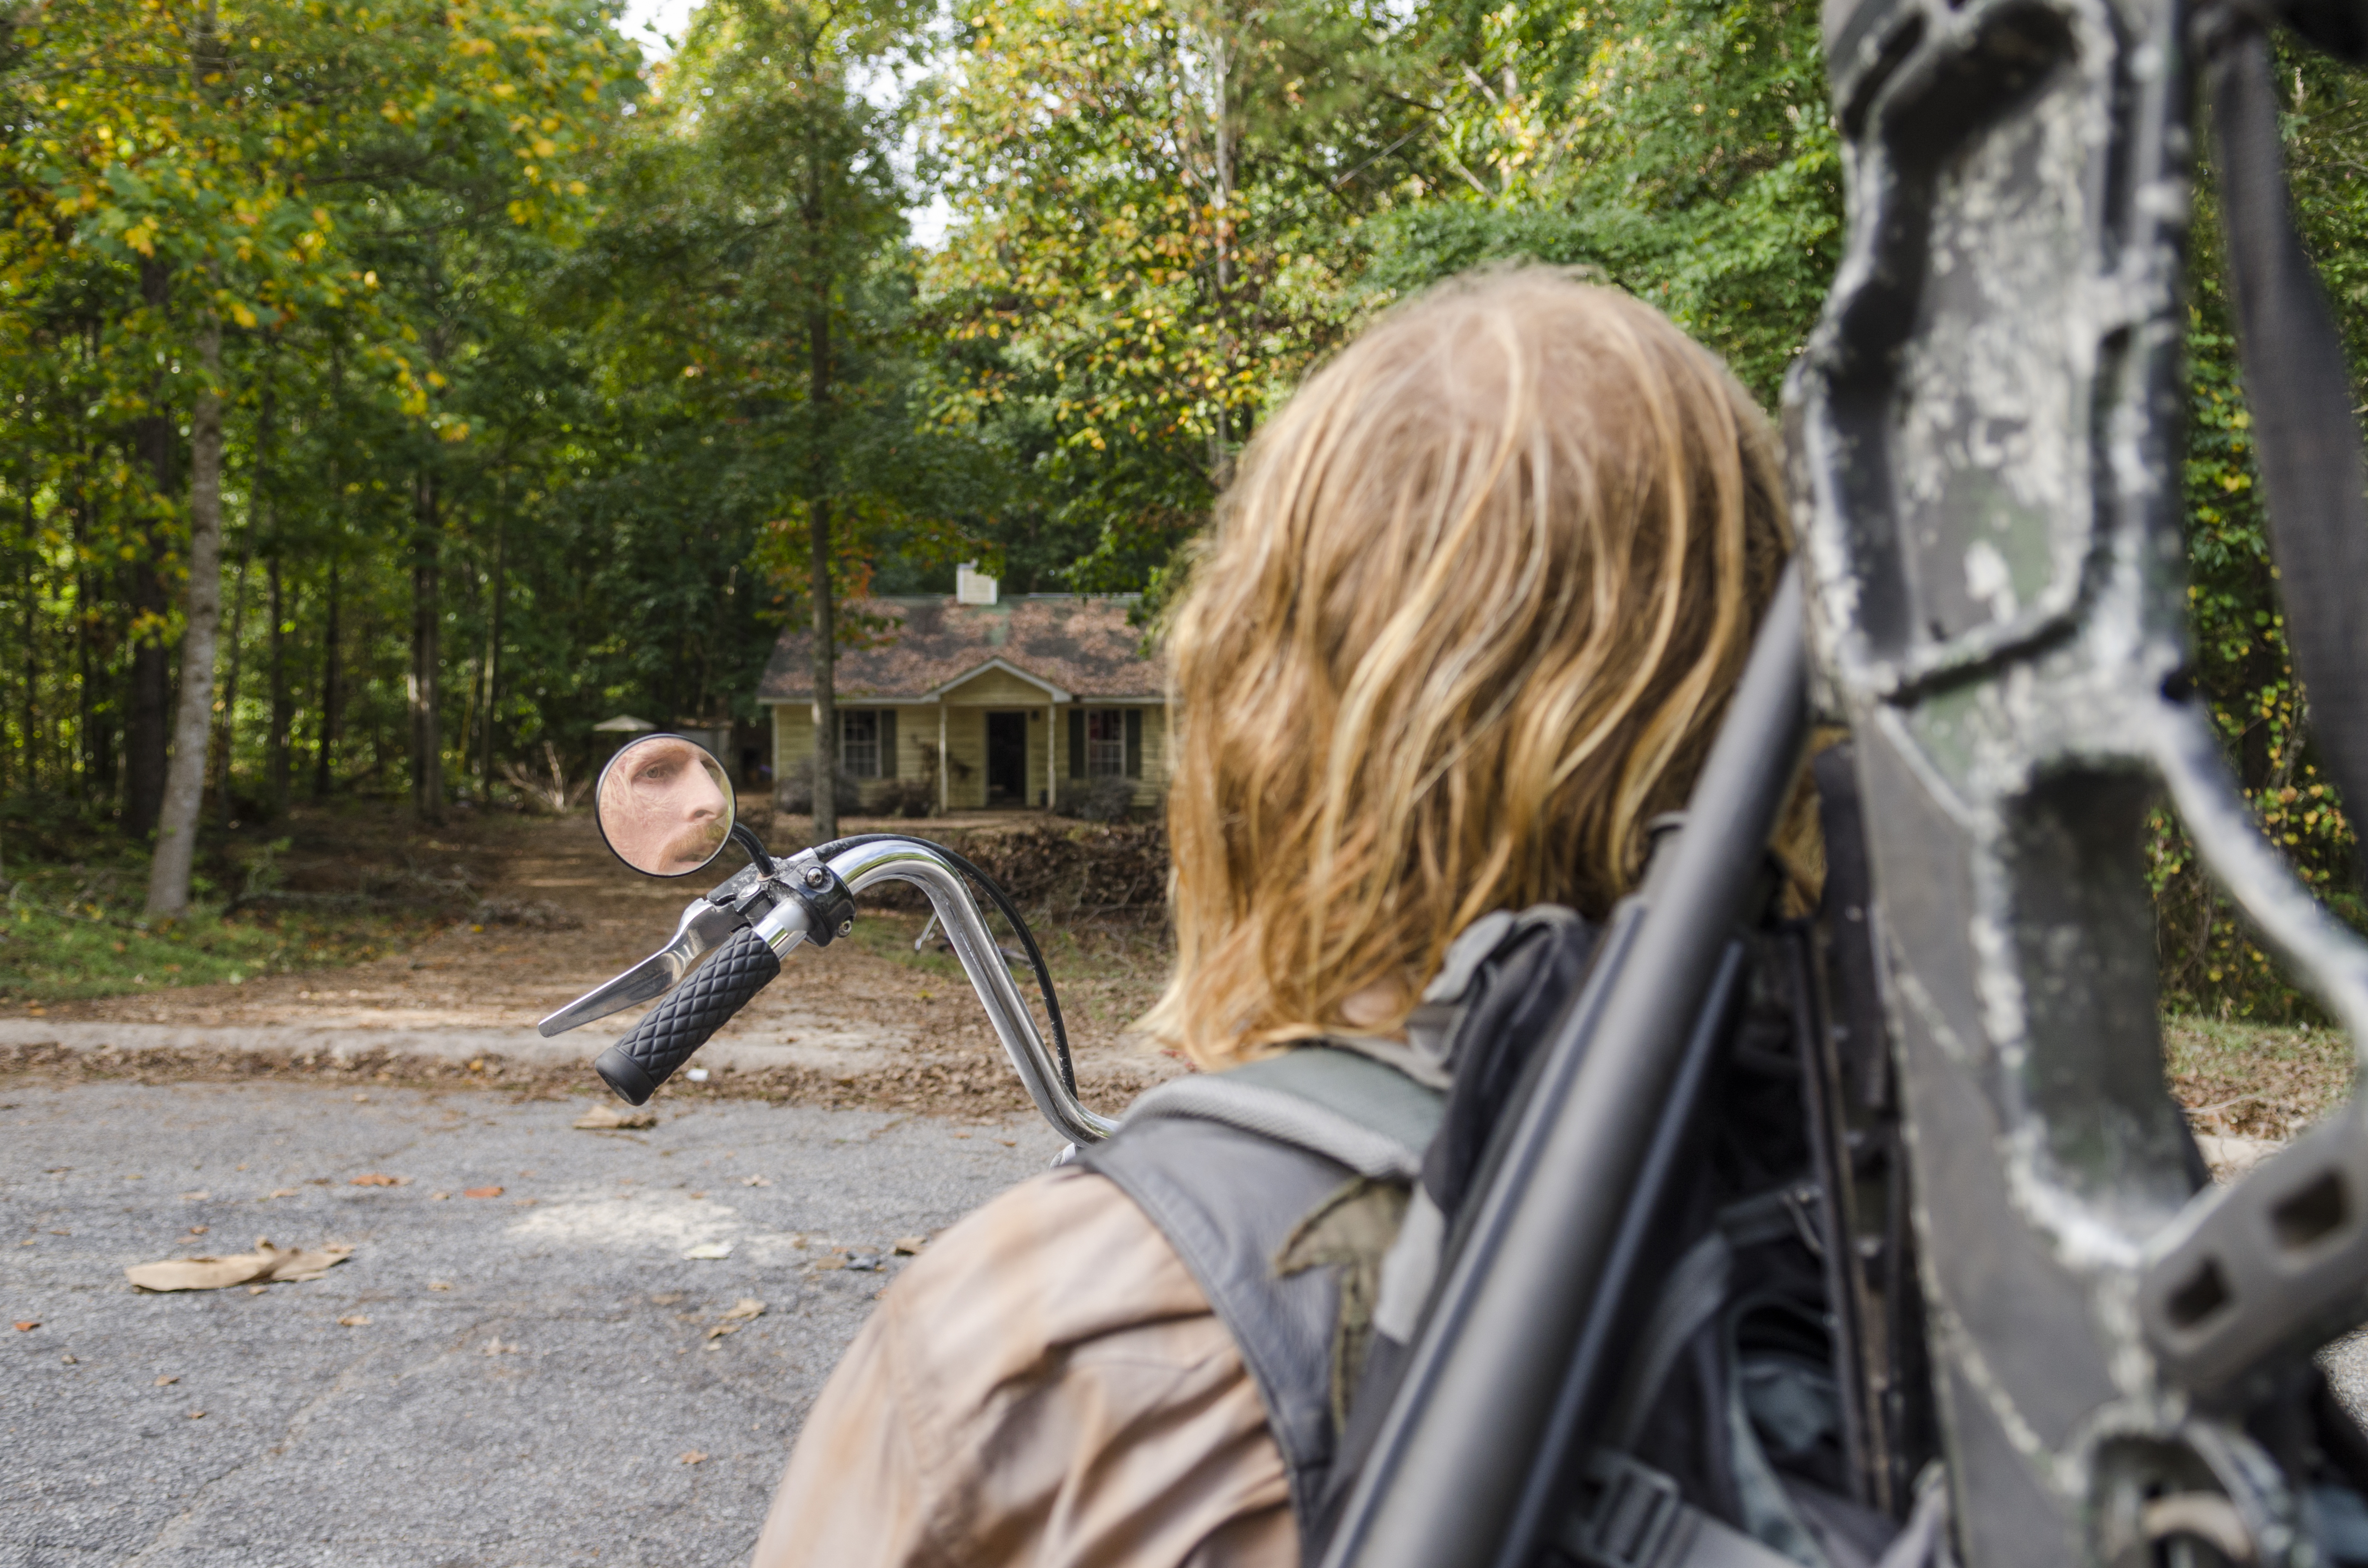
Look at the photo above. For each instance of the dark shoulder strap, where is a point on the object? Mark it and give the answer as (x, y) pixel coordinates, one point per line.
(1227, 1165)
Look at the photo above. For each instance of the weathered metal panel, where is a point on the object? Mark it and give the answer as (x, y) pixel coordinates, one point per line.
(1985, 438)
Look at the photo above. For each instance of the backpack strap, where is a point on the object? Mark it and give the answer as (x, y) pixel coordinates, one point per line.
(1331, 1101)
(1631, 1515)
(1228, 1165)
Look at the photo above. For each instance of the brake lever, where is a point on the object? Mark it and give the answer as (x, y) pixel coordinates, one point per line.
(705, 925)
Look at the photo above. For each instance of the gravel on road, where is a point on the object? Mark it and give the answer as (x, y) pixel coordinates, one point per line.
(514, 1367)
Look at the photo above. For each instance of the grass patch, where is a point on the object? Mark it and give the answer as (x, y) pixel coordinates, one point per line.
(2256, 1080)
(66, 934)
(326, 887)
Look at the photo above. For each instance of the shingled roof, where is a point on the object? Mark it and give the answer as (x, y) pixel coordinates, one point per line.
(1082, 645)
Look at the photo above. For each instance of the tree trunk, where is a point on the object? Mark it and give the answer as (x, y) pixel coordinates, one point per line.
(826, 705)
(818, 394)
(29, 777)
(85, 708)
(185, 788)
(276, 762)
(227, 733)
(1221, 444)
(152, 690)
(494, 647)
(426, 623)
(325, 755)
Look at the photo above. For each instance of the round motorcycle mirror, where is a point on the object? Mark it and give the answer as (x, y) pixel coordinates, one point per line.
(664, 806)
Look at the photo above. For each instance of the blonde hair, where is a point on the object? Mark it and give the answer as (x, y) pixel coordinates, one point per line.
(1464, 626)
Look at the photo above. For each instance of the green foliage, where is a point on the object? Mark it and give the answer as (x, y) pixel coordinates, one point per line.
(1153, 203)
(58, 943)
(1679, 151)
(542, 360)
(2210, 962)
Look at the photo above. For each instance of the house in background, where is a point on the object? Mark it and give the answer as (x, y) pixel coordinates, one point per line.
(991, 701)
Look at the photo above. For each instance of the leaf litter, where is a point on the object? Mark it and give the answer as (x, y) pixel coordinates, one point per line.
(609, 1119)
(743, 1313)
(265, 1265)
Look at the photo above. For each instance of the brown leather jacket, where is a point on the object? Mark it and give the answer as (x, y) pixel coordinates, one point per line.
(1046, 1385)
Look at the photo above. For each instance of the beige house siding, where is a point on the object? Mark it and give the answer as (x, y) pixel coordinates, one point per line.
(998, 689)
(964, 713)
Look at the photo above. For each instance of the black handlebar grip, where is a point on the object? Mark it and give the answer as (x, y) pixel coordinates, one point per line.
(666, 1038)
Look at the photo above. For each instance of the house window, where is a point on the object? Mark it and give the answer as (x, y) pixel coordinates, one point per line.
(1105, 743)
(859, 742)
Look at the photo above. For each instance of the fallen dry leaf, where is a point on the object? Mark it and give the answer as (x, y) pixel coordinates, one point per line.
(379, 1178)
(609, 1119)
(744, 1311)
(438, 1197)
(255, 1290)
(440, 1284)
(754, 1181)
(361, 1100)
(199, 1230)
(353, 1320)
(287, 1192)
(194, 1197)
(29, 1327)
(197, 1415)
(693, 1457)
(166, 1382)
(265, 1263)
(481, 1192)
(910, 1247)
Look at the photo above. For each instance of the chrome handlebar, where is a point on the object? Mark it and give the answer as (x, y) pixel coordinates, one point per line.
(910, 860)
(706, 923)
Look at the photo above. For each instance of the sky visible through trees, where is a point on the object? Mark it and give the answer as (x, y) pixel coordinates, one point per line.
(395, 389)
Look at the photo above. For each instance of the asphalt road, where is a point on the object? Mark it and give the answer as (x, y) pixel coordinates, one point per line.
(535, 1384)
(535, 1375)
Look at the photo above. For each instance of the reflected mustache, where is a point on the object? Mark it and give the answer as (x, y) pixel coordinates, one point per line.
(693, 844)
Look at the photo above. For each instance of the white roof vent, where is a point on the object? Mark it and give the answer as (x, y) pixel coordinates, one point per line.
(973, 586)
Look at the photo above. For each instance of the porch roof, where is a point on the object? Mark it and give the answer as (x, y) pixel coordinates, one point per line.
(916, 650)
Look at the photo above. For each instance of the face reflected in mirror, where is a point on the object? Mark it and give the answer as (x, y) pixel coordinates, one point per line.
(664, 806)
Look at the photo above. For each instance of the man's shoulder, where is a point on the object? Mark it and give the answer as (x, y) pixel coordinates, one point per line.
(1061, 1259)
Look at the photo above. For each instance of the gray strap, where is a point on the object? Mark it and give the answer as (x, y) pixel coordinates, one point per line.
(1409, 1269)
(1340, 1104)
(1633, 1517)
(1925, 1542)
(1697, 1287)
(1286, 1119)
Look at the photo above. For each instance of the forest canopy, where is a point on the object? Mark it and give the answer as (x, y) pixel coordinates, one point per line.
(396, 390)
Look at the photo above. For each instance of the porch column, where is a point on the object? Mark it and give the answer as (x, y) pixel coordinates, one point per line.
(942, 764)
(1052, 779)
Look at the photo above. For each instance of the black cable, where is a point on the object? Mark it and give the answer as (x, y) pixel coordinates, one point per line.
(1010, 912)
(752, 847)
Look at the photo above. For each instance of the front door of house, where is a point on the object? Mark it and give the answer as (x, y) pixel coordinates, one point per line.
(1006, 759)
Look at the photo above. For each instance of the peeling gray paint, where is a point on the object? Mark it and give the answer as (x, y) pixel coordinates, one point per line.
(1985, 447)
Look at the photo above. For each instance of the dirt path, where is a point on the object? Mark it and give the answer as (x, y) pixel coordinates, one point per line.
(848, 1025)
